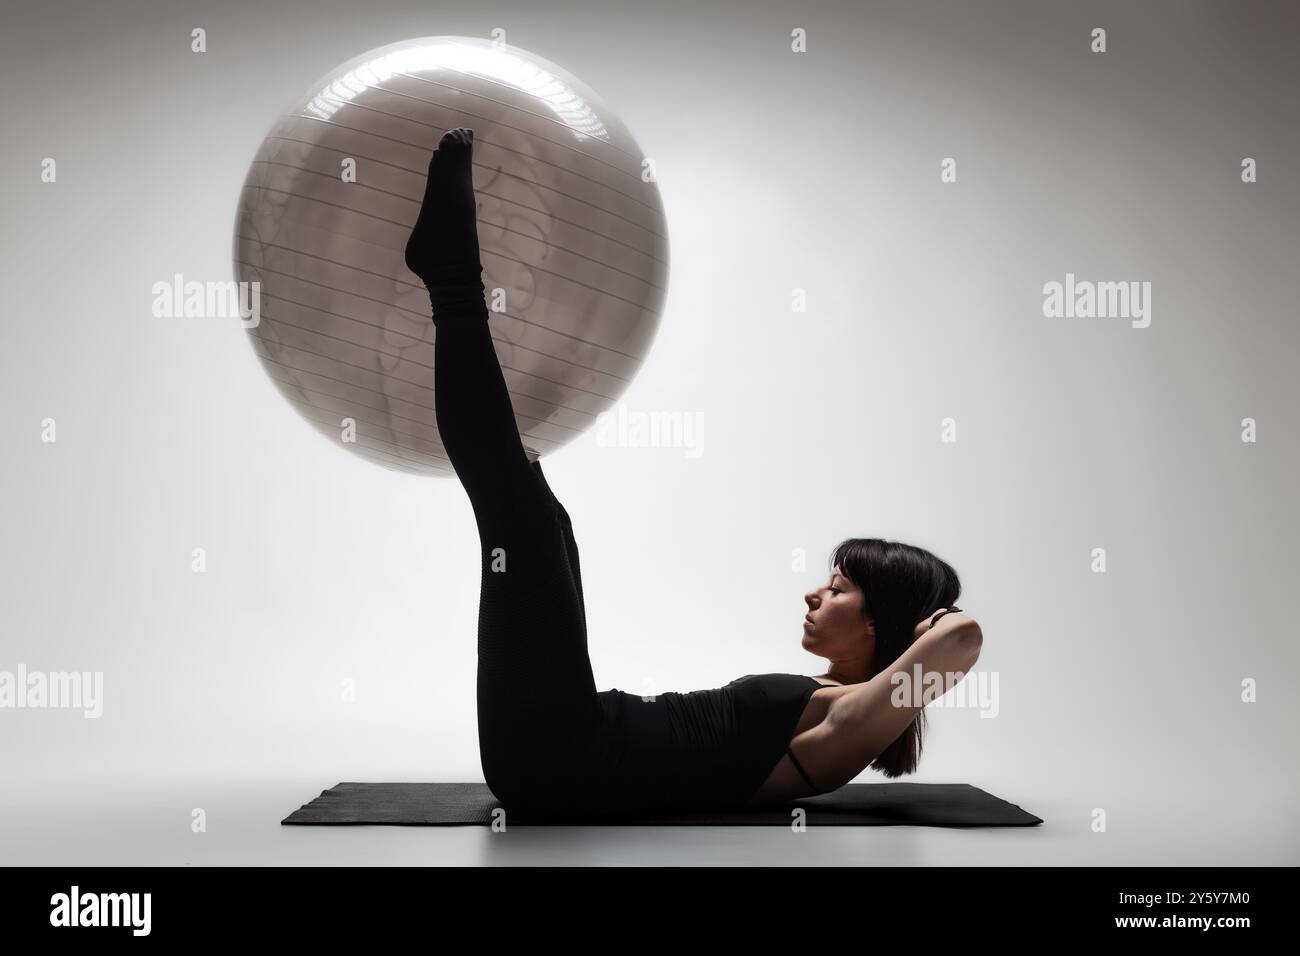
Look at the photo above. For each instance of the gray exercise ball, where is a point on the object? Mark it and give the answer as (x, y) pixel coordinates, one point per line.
(570, 222)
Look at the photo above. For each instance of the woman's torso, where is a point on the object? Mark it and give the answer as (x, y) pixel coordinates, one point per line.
(717, 747)
(783, 782)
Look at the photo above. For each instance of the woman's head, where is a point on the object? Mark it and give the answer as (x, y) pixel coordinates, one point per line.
(865, 615)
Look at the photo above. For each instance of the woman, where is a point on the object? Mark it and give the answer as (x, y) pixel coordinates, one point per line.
(549, 743)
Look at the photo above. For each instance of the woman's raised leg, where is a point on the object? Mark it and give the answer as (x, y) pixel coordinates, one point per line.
(537, 703)
(570, 543)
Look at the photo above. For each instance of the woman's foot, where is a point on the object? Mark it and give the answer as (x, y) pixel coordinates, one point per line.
(443, 247)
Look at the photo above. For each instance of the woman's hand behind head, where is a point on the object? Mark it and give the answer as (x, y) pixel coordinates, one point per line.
(949, 621)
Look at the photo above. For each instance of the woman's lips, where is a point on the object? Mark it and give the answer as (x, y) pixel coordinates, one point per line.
(807, 622)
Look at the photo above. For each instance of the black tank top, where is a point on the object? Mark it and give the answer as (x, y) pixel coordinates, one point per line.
(705, 748)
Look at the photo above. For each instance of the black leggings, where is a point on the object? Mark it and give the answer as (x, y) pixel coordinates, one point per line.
(538, 713)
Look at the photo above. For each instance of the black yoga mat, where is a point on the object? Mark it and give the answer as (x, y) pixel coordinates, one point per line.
(854, 805)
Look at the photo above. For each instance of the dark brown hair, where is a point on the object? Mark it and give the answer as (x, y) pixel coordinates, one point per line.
(900, 585)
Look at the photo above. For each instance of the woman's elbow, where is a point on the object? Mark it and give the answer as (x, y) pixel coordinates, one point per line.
(969, 639)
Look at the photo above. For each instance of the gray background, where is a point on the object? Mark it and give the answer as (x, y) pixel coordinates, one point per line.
(1118, 691)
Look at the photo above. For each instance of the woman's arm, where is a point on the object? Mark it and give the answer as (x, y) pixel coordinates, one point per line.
(864, 719)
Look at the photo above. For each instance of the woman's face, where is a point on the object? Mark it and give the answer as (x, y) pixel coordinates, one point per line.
(835, 628)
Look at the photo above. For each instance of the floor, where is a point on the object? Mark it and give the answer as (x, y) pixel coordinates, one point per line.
(150, 825)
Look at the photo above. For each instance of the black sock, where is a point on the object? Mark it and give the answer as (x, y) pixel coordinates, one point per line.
(443, 247)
